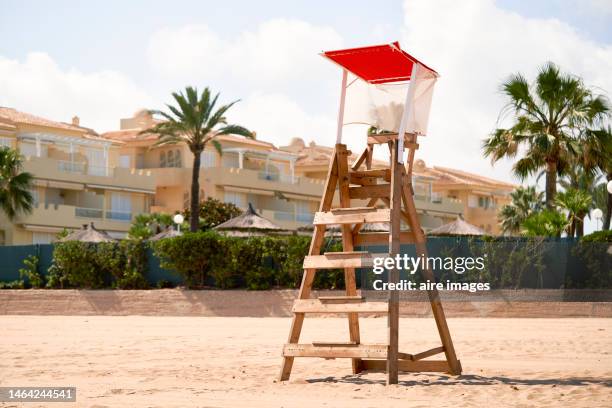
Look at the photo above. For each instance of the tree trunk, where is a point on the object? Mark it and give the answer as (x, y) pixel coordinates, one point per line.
(551, 184)
(194, 220)
(580, 225)
(608, 212)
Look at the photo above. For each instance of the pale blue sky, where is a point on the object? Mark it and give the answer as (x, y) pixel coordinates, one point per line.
(104, 60)
(113, 34)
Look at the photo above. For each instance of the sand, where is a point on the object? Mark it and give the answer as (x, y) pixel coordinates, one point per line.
(164, 361)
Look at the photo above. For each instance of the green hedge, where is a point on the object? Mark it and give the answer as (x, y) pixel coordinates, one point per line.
(107, 264)
(209, 259)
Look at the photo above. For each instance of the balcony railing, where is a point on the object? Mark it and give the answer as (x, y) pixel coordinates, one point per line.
(290, 216)
(99, 213)
(89, 212)
(71, 166)
(83, 168)
(119, 216)
(279, 177)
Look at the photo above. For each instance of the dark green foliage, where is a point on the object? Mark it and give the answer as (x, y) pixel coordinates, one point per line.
(146, 225)
(256, 263)
(30, 272)
(214, 212)
(191, 255)
(598, 236)
(93, 266)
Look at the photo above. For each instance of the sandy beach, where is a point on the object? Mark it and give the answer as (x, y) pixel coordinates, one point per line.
(164, 361)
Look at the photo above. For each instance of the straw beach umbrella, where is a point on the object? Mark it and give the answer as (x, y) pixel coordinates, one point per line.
(457, 227)
(89, 233)
(167, 233)
(249, 224)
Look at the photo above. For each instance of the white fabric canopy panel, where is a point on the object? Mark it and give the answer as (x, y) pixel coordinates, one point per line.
(382, 105)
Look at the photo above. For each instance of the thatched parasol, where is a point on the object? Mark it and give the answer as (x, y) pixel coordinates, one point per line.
(169, 232)
(89, 233)
(249, 224)
(457, 227)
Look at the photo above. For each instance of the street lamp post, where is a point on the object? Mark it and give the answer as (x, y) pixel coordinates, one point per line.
(178, 220)
(598, 215)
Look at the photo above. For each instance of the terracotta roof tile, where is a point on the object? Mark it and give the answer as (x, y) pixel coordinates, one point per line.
(15, 116)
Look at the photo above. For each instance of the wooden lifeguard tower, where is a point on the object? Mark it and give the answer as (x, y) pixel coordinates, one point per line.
(388, 70)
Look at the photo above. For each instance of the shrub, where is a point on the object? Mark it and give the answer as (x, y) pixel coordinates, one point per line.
(190, 255)
(30, 272)
(598, 236)
(96, 265)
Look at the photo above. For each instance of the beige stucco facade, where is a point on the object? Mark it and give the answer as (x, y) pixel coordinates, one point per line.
(78, 179)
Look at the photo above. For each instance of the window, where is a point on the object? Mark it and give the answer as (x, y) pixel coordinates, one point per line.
(472, 201)
(96, 162)
(238, 199)
(162, 159)
(42, 237)
(121, 207)
(484, 202)
(140, 161)
(178, 161)
(124, 161)
(230, 160)
(208, 159)
(303, 211)
(170, 158)
(6, 142)
(35, 196)
(27, 148)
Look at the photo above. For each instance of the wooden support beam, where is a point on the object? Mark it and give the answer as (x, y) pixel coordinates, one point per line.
(424, 366)
(334, 260)
(352, 217)
(336, 351)
(372, 191)
(362, 157)
(381, 238)
(428, 353)
(317, 306)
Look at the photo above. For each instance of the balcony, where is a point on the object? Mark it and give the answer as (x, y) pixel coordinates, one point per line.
(81, 172)
(278, 177)
(68, 216)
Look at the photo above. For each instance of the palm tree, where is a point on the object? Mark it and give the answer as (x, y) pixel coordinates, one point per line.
(579, 177)
(15, 185)
(597, 156)
(525, 201)
(548, 117)
(577, 203)
(195, 120)
(545, 223)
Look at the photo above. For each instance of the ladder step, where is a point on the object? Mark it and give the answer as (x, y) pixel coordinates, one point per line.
(333, 260)
(382, 238)
(332, 350)
(318, 306)
(437, 366)
(369, 176)
(341, 299)
(385, 138)
(352, 216)
(373, 191)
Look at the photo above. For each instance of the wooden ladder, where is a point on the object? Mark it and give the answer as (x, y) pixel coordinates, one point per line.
(392, 187)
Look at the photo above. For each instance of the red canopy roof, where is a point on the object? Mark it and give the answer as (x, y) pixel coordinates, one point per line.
(377, 64)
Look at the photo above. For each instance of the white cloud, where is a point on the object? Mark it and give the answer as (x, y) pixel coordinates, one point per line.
(39, 86)
(276, 118)
(475, 45)
(278, 51)
(290, 90)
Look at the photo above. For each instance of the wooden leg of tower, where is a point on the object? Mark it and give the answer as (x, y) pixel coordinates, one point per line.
(394, 248)
(434, 296)
(347, 244)
(318, 237)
